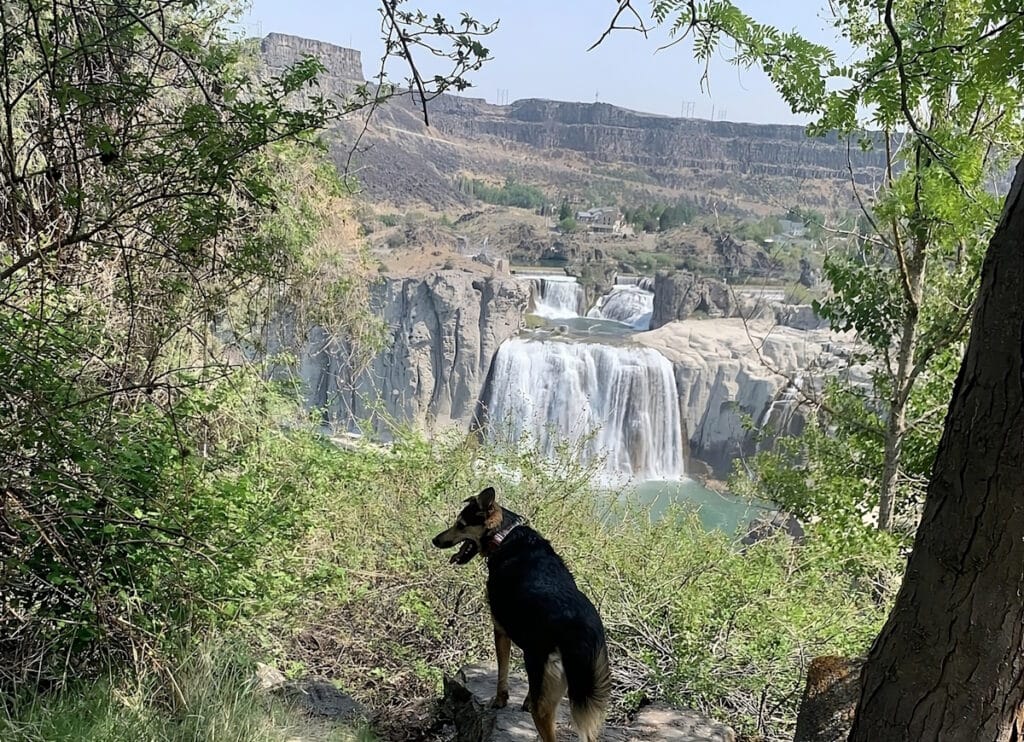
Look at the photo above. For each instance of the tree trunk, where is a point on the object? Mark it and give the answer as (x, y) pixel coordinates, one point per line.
(949, 664)
(896, 425)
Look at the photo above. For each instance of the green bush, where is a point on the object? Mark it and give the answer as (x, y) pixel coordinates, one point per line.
(511, 193)
(691, 618)
(130, 527)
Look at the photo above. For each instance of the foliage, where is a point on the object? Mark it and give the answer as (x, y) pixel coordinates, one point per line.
(660, 217)
(568, 225)
(411, 32)
(758, 231)
(215, 702)
(159, 200)
(564, 211)
(943, 99)
(511, 193)
(696, 621)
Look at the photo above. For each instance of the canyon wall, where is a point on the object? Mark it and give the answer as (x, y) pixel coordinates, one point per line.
(443, 330)
(661, 144)
(403, 161)
(728, 371)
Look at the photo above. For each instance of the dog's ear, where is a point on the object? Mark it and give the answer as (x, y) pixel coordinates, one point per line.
(485, 500)
(492, 513)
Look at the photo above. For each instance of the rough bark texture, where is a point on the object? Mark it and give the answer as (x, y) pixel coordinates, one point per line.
(949, 663)
(829, 701)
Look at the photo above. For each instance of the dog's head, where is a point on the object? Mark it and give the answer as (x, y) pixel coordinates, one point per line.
(480, 516)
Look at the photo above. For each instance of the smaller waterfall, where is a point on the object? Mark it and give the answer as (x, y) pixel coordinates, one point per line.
(628, 304)
(780, 410)
(644, 282)
(554, 296)
(616, 403)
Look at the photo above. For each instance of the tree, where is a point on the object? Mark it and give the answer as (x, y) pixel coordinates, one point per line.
(565, 210)
(156, 187)
(941, 96)
(949, 661)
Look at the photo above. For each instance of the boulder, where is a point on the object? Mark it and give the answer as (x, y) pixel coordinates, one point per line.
(468, 694)
(315, 696)
(680, 295)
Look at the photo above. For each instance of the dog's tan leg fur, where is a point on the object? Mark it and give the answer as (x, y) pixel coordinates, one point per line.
(545, 705)
(503, 648)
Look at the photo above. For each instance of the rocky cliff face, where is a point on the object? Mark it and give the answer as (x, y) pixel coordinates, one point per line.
(719, 161)
(278, 51)
(681, 294)
(661, 144)
(444, 329)
(722, 380)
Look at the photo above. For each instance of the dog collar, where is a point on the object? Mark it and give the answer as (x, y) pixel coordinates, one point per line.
(495, 541)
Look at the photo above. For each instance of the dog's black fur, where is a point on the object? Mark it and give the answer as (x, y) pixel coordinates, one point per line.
(536, 604)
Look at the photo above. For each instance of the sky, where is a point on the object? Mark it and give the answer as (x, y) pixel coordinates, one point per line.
(540, 51)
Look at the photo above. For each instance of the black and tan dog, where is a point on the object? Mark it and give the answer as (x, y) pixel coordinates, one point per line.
(536, 605)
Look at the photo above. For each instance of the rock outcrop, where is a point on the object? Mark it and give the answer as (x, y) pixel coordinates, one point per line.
(279, 51)
(728, 371)
(681, 295)
(443, 330)
(660, 144)
(467, 699)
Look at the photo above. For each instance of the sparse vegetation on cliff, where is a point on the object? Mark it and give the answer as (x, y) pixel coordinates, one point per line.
(510, 193)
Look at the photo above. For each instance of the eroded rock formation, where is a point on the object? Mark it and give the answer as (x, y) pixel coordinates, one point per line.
(728, 371)
(443, 330)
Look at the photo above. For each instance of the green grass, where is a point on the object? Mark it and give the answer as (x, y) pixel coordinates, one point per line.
(208, 696)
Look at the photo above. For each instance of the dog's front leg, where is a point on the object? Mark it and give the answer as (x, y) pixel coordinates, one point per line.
(503, 648)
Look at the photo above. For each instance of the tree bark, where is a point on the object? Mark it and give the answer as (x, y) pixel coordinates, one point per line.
(949, 663)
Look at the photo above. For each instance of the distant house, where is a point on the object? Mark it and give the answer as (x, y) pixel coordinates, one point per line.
(601, 219)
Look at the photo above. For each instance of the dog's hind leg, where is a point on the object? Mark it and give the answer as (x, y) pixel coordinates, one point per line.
(547, 686)
(503, 648)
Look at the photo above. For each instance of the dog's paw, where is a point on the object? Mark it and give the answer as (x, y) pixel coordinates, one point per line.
(500, 701)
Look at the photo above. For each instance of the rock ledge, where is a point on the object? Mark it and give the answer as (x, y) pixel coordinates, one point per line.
(467, 699)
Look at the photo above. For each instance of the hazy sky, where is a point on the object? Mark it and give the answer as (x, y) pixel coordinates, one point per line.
(540, 51)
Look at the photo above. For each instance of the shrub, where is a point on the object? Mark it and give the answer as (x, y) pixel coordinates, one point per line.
(691, 618)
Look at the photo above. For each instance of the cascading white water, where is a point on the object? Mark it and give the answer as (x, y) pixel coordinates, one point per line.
(556, 297)
(781, 408)
(617, 403)
(628, 304)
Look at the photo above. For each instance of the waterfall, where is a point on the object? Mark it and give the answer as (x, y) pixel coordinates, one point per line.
(644, 282)
(619, 403)
(628, 304)
(780, 410)
(555, 297)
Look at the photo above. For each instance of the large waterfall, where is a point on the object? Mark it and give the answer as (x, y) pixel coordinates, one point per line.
(618, 403)
(555, 296)
(629, 304)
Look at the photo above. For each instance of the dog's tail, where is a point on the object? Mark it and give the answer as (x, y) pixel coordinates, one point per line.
(590, 685)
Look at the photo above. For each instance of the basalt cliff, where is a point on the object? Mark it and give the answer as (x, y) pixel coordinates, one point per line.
(568, 146)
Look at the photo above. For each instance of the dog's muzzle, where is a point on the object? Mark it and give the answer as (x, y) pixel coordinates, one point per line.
(467, 551)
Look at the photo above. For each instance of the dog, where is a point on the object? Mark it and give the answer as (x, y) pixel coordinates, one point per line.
(536, 605)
